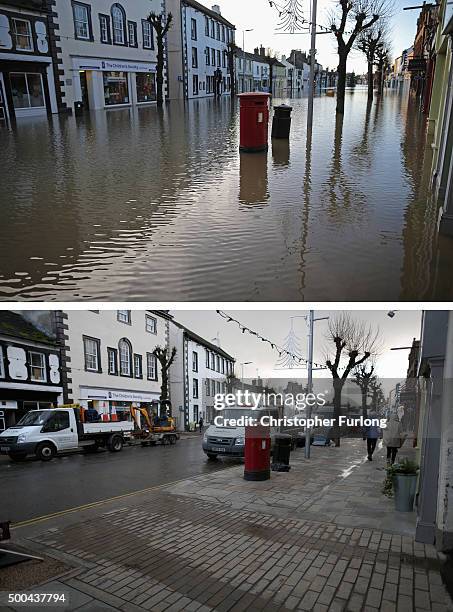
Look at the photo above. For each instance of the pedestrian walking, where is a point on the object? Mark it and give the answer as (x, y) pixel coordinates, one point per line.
(372, 434)
(393, 438)
(201, 423)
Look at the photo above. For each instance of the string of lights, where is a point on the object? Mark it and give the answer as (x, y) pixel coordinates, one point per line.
(281, 351)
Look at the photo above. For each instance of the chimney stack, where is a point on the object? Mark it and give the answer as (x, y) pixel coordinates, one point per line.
(262, 51)
(216, 9)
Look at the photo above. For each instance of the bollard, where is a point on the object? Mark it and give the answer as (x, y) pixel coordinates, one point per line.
(282, 452)
(257, 453)
(254, 122)
(78, 108)
(281, 123)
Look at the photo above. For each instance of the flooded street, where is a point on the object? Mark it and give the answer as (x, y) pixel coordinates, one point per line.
(138, 204)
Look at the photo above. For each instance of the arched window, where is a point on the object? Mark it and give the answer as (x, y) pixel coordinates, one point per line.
(125, 353)
(119, 24)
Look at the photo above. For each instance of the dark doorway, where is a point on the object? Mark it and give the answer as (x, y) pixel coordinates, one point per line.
(84, 87)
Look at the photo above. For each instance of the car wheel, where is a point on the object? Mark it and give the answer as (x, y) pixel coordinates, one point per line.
(46, 451)
(115, 444)
(17, 456)
(172, 439)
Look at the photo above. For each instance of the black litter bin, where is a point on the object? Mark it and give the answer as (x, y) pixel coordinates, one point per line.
(281, 123)
(78, 108)
(282, 452)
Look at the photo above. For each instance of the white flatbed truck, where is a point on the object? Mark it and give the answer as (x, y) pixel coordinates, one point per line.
(45, 433)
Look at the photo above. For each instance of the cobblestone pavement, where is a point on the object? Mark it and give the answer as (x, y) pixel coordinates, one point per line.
(169, 551)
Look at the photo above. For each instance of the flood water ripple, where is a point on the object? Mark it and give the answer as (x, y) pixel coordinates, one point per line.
(142, 204)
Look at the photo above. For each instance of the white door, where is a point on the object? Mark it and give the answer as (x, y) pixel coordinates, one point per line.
(61, 429)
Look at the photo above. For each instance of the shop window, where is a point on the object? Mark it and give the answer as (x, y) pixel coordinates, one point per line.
(147, 31)
(82, 21)
(151, 366)
(27, 90)
(118, 25)
(113, 361)
(195, 388)
(213, 57)
(104, 26)
(195, 413)
(91, 351)
(194, 361)
(213, 388)
(125, 354)
(193, 29)
(37, 366)
(218, 387)
(21, 31)
(146, 92)
(138, 370)
(132, 31)
(195, 84)
(194, 57)
(218, 57)
(208, 387)
(116, 88)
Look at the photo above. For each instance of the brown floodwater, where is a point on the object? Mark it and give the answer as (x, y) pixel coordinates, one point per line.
(142, 204)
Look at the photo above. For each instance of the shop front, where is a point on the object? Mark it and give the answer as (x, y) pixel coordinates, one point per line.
(118, 404)
(16, 401)
(103, 84)
(26, 90)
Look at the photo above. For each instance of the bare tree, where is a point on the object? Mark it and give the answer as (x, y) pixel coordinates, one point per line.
(354, 344)
(232, 51)
(382, 61)
(376, 394)
(161, 23)
(368, 42)
(165, 359)
(347, 22)
(363, 374)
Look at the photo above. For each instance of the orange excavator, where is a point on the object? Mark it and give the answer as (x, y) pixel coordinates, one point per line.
(154, 429)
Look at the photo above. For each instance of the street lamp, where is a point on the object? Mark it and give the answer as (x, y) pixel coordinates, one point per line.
(243, 57)
(242, 371)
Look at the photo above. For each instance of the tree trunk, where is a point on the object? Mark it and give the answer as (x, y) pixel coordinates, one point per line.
(370, 81)
(364, 402)
(160, 72)
(341, 86)
(338, 387)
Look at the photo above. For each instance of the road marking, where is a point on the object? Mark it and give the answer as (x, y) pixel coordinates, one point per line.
(46, 517)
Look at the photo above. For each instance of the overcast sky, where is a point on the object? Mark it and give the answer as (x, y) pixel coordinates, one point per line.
(257, 14)
(275, 325)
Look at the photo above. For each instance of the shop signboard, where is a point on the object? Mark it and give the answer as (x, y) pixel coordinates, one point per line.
(87, 63)
(117, 395)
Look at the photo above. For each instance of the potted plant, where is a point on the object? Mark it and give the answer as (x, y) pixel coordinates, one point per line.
(401, 482)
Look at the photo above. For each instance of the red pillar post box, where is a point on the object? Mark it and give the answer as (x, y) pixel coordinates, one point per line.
(257, 453)
(254, 122)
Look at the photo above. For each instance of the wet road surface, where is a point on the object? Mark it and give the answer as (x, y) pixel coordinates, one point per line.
(142, 204)
(33, 488)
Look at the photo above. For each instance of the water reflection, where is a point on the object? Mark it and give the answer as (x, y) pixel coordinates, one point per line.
(253, 180)
(280, 153)
(148, 204)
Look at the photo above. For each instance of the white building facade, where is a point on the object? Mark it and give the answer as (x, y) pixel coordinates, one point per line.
(198, 50)
(110, 361)
(200, 371)
(27, 78)
(108, 52)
